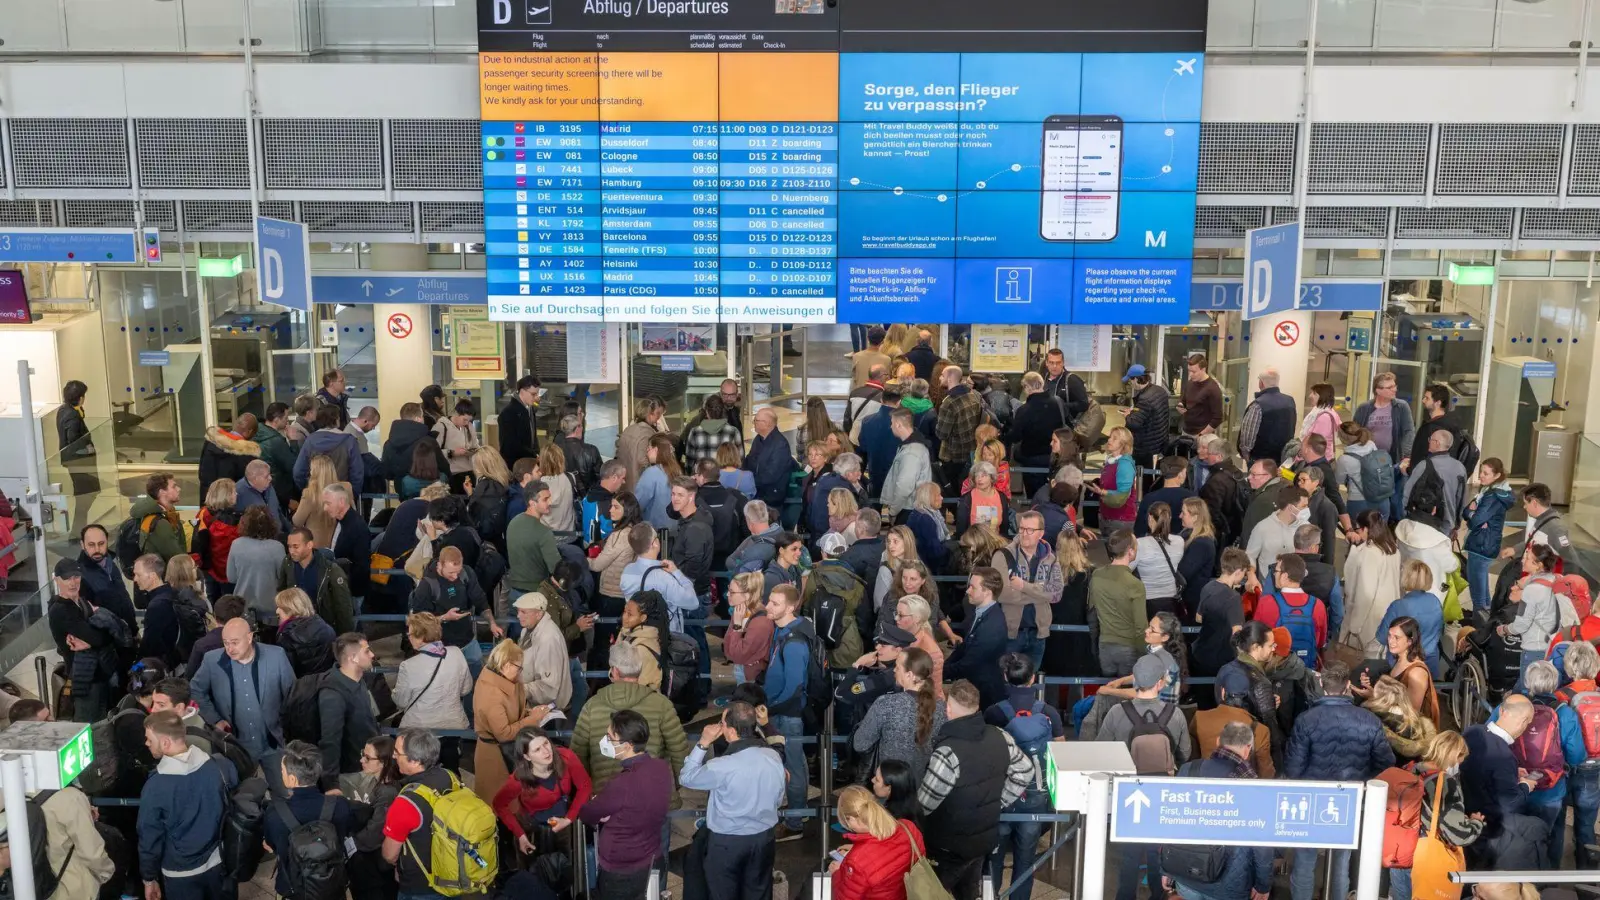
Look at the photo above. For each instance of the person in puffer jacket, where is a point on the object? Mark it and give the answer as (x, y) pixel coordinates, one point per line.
(1485, 515)
(1334, 740)
(1425, 537)
(1246, 677)
(881, 849)
(1150, 418)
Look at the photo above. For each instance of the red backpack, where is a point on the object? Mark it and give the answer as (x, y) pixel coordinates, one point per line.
(1402, 816)
(1539, 748)
(1586, 704)
(1574, 588)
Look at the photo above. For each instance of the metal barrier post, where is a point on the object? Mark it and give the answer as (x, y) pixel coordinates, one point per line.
(41, 672)
(1097, 834)
(16, 794)
(1369, 862)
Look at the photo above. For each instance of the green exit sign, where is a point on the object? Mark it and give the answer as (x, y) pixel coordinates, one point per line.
(220, 268)
(1471, 274)
(75, 756)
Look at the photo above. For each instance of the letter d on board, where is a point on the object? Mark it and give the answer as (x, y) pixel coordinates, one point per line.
(502, 12)
(272, 275)
(1260, 286)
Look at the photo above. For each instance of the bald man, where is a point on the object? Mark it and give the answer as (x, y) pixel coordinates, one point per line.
(1491, 783)
(1451, 474)
(923, 356)
(769, 459)
(241, 687)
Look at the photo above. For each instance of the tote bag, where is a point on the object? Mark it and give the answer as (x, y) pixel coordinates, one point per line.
(1435, 859)
(921, 881)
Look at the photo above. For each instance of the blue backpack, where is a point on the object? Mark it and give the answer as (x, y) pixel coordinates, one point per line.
(1031, 730)
(1302, 626)
(596, 524)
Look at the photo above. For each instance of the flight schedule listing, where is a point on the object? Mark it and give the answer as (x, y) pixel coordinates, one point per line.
(814, 187)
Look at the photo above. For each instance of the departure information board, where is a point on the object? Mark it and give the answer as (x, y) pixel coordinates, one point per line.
(701, 161)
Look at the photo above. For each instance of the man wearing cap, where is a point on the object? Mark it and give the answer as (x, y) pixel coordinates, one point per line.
(1149, 676)
(1150, 416)
(546, 676)
(73, 632)
(832, 577)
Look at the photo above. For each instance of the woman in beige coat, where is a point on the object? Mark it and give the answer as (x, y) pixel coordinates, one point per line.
(309, 514)
(71, 829)
(499, 711)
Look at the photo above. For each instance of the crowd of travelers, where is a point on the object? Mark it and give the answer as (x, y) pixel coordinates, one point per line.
(906, 579)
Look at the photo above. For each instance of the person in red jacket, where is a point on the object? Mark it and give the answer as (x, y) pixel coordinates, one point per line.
(544, 794)
(1279, 608)
(881, 849)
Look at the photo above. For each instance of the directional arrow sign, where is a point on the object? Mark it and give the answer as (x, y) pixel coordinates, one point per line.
(1139, 802)
(1236, 811)
(442, 289)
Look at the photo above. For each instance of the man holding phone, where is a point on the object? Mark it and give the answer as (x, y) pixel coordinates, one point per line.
(1492, 784)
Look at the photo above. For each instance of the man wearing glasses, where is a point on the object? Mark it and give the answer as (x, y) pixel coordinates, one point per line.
(1032, 584)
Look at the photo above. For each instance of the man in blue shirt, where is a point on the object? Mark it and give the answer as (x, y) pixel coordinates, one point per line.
(649, 570)
(743, 787)
(792, 658)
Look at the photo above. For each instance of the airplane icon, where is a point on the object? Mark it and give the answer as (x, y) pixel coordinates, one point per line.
(539, 15)
(1185, 66)
(393, 291)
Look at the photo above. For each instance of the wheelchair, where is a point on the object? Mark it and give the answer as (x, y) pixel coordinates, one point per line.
(1486, 668)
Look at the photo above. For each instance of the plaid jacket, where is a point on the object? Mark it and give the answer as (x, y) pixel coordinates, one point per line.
(959, 418)
(702, 444)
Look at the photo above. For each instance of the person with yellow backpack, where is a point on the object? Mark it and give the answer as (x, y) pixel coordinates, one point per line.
(440, 837)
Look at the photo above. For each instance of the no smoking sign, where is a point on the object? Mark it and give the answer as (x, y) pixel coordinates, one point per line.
(400, 325)
(1287, 334)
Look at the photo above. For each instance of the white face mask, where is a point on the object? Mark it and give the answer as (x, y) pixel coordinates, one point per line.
(1453, 771)
(1302, 517)
(607, 749)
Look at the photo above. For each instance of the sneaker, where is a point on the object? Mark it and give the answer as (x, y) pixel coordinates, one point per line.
(783, 833)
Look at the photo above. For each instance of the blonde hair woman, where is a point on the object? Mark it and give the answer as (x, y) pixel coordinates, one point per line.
(842, 511)
(499, 711)
(552, 469)
(486, 500)
(1441, 758)
(432, 683)
(487, 463)
(899, 547)
(748, 642)
(303, 635)
(1119, 507)
(310, 514)
(1407, 730)
(913, 615)
(1066, 652)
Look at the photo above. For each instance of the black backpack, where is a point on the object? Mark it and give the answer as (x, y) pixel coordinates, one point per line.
(301, 719)
(45, 878)
(224, 746)
(830, 612)
(491, 567)
(102, 774)
(191, 628)
(1464, 451)
(680, 672)
(1427, 495)
(244, 829)
(129, 543)
(314, 864)
(817, 693)
(1194, 863)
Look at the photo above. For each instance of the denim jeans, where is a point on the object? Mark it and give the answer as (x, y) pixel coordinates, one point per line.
(1529, 657)
(858, 338)
(794, 761)
(1550, 814)
(738, 674)
(1302, 876)
(1357, 507)
(1478, 581)
(580, 689)
(473, 651)
(1028, 642)
(1397, 500)
(1583, 795)
(697, 631)
(1133, 856)
(1116, 660)
(1399, 884)
(1021, 839)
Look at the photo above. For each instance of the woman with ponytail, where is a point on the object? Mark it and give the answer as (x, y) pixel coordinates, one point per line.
(880, 851)
(901, 724)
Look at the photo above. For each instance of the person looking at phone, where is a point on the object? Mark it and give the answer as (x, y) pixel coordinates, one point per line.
(744, 787)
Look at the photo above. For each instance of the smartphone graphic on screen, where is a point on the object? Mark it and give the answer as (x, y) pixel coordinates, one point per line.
(1082, 178)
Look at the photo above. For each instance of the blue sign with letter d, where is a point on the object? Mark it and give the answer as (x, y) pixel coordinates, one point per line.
(1271, 270)
(283, 263)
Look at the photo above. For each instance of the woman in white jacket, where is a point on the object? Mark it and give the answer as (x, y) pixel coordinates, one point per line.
(1537, 614)
(1371, 580)
(432, 683)
(1425, 536)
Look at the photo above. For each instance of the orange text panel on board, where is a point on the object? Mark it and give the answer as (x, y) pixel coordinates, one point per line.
(541, 86)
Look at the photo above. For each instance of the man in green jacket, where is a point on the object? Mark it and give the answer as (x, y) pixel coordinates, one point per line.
(531, 553)
(156, 517)
(1116, 604)
(276, 451)
(321, 578)
(625, 692)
